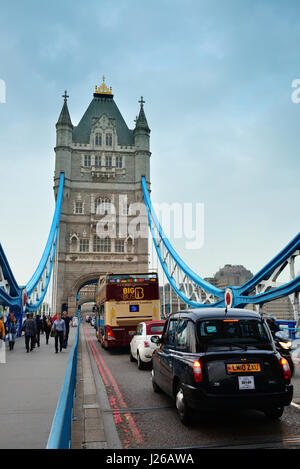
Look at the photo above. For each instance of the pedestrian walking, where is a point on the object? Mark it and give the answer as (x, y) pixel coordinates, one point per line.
(43, 318)
(47, 324)
(60, 328)
(12, 331)
(67, 320)
(29, 327)
(2, 328)
(39, 327)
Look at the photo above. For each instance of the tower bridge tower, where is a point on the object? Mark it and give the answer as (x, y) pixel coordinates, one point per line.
(103, 225)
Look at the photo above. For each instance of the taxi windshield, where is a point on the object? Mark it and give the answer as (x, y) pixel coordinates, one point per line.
(239, 332)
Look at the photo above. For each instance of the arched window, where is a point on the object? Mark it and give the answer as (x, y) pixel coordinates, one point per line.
(129, 244)
(103, 206)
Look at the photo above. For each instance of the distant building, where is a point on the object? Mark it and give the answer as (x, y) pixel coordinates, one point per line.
(233, 275)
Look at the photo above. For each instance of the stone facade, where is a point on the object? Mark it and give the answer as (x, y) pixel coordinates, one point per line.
(103, 162)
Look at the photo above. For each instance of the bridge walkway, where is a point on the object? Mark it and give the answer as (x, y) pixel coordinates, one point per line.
(30, 385)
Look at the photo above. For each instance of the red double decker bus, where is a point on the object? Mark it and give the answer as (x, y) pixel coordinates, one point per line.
(122, 301)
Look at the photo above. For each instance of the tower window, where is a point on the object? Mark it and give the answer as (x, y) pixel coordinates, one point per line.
(101, 244)
(78, 207)
(108, 161)
(84, 245)
(98, 139)
(87, 161)
(97, 160)
(109, 140)
(119, 162)
(119, 245)
(103, 206)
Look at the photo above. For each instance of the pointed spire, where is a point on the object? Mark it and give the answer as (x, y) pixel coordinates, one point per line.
(64, 117)
(141, 122)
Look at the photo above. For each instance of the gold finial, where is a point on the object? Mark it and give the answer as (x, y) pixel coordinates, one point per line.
(103, 89)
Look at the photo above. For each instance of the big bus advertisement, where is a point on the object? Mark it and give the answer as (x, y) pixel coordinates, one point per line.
(127, 300)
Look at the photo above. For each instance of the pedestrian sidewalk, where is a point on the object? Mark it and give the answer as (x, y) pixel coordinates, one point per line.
(30, 386)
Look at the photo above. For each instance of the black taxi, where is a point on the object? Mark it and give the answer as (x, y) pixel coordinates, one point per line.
(212, 358)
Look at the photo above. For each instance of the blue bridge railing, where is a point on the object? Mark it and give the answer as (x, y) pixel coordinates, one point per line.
(61, 430)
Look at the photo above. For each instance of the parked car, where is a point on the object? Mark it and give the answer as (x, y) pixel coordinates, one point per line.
(141, 347)
(74, 321)
(209, 359)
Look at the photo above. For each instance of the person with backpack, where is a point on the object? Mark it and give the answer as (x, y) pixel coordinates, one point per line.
(39, 328)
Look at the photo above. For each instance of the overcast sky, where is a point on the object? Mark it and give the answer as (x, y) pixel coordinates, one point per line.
(216, 76)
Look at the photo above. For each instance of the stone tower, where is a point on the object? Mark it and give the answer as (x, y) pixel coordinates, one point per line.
(103, 220)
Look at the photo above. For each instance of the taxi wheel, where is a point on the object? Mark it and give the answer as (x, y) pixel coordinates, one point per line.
(155, 387)
(275, 412)
(141, 364)
(183, 409)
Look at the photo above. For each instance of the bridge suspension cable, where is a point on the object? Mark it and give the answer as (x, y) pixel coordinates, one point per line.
(37, 286)
(31, 296)
(196, 292)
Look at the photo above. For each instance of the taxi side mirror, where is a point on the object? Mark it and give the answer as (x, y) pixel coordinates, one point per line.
(156, 339)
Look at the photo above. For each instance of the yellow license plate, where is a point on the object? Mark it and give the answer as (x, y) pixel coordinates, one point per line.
(243, 367)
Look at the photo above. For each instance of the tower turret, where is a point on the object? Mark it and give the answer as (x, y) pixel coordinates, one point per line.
(142, 144)
(64, 126)
(142, 130)
(64, 129)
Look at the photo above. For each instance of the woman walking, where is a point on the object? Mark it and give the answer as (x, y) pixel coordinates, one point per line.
(60, 327)
(47, 324)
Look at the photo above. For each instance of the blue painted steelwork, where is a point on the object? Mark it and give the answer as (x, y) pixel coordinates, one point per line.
(61, 429)
(155, 227)
(37, 286)
(8, 275)
(13, 298)
(241, 295)
(279, 260)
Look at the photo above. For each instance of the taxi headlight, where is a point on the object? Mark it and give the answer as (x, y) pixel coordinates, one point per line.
(285, 345)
